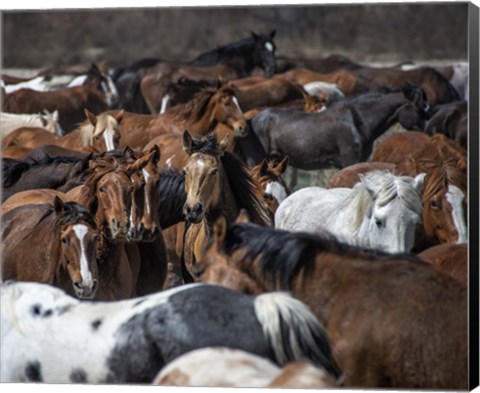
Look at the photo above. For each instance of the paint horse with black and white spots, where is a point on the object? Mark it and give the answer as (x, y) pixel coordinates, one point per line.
(48, 336)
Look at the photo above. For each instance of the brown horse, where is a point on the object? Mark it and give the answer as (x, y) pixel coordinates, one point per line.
(378, 309)
(450, 259)
(349, 176)
(444, 195)
(62, 239)
(201, 115)
(157, 79)
(346, 81)
(268, 175)
(70, 102)
(216, 182)
(97, 133)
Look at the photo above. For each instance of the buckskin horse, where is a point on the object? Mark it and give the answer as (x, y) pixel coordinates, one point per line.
(381, 311)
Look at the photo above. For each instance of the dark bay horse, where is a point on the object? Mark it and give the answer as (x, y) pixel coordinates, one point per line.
(53, 244)
(70, 102)
(343, 134)
(244, 55)
(450, 120)
(377, 308)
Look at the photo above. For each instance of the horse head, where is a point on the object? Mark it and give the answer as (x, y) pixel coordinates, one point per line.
(77, 247)
(143, 221)
(395, 210)
(111, 187)
(105, 135)
(203, 175)
(264, 52)
(413, 114)
(268, 175)
(444, 201)
(98, 79)
(227, 111)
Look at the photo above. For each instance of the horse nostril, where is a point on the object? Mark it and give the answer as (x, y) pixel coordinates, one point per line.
(77, 285)
(198, 270)
(199, 208)
(94, 286)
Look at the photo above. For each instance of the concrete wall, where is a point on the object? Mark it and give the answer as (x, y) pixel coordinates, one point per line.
(365, 32)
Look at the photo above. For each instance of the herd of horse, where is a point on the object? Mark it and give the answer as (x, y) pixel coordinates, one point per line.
(149, 235)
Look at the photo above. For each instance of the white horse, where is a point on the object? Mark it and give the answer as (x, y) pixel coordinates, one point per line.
(380, 212)
(36, 83)
(48, 336)
(225, 367)
(49, 121)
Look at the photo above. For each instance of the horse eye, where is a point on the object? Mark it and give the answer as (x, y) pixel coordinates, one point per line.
(101, 189)
(434, 205)
(214, 171)
(378, 223)
(65, 240)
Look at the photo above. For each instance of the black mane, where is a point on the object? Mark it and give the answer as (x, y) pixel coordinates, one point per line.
(284, 254)
(172, 198)
(73, 213)
(14, 169)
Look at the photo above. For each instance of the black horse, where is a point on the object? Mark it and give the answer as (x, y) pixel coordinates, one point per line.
(244, 55)
(341, 135)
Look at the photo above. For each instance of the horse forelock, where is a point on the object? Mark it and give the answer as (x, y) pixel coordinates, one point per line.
(391, 187)
(440, 174)
(73, 214)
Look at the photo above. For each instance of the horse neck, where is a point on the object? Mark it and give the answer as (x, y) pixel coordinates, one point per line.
(377, 114)
(76, 139)
(206, 123)
(226, 204)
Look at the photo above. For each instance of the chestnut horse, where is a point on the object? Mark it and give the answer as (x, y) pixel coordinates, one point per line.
(70, 102)
(53, 244)
(450, 259)
(444, 195)
(100, 133)
(349, 176)
(376, 307)
(201, 115)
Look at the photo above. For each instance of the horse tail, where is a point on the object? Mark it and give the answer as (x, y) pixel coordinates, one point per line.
(293, 332)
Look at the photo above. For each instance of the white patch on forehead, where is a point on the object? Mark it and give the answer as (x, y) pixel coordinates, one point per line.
(81, 230)
(276, 190)
(455, 197)
(235, 101)
(323, 108)
(108, 137)
(165, 100)
(269, 46)
(168, 163)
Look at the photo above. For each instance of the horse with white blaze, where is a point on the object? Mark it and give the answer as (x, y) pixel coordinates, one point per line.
(48, 336)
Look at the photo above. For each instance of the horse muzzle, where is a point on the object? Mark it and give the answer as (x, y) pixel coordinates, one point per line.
(84, 291)
(240, 130)
(194, 215)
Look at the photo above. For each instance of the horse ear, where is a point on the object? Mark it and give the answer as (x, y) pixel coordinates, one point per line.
(43, 119)
(91, 117)
(58, 204)
(219, 82)
(281, 167)
(255, 36)
(223, 144)
(272, 34)
(187, 142)
(243, 217)
(220, 229)
(156, 154)
(119, 116)
(263, 166)
(128, 152)
(418, 182)
(55, 115)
